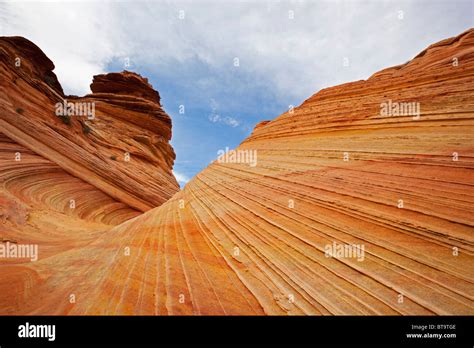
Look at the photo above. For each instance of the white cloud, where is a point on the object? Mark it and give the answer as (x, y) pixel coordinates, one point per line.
(181, 178)
(293, 57)
(230, 121)
(78, 37)
(214, 117)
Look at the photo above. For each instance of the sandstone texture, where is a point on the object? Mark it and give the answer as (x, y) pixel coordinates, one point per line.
(123, 150)
(242, 239)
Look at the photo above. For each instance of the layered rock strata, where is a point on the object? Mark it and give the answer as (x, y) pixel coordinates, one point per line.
(360, 202)
(116, 139)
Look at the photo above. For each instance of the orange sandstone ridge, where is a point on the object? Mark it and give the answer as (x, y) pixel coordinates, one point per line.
(355, 166)
(123, 150)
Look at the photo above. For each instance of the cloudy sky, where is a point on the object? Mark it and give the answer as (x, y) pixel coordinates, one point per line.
(230, 64)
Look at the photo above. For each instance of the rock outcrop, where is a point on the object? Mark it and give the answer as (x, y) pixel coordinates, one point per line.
(116, 139)
(359, 201)
(66, 178)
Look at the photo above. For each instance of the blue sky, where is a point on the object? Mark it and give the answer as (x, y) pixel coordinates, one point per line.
(287, 51)
(219, 116)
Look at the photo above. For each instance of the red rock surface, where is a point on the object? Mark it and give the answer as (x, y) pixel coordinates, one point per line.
(65, 182)
(128, 120)
(241, 239)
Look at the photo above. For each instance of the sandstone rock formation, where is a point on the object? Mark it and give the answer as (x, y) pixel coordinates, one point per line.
(122, 150)
(66, 180)
(339, 170)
